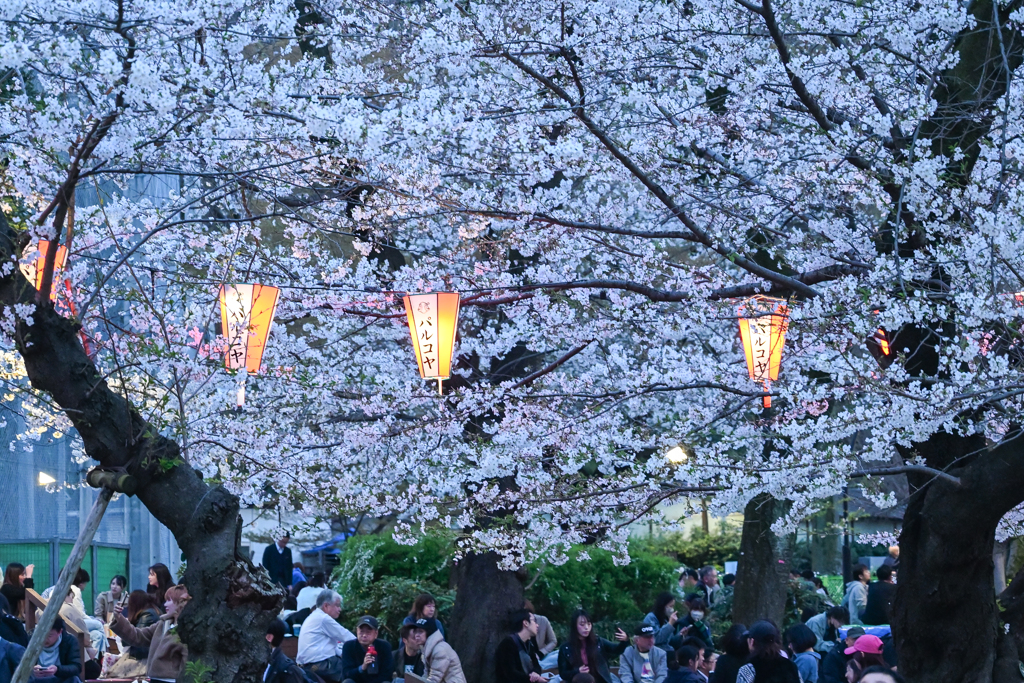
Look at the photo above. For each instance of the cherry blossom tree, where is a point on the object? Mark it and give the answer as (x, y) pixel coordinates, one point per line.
(605, 184)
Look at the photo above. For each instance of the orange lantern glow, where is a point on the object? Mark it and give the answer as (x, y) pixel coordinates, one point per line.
(246, 313)
(433, 319)
(33, 270)
(883, 341)
(763, 323)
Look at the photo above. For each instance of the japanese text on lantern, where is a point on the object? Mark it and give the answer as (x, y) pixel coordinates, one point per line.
(761, 343)
(426, 334)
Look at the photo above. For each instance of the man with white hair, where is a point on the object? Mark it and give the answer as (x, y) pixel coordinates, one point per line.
(321, 638)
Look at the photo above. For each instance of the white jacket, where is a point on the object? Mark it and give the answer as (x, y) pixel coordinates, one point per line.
(441, 662)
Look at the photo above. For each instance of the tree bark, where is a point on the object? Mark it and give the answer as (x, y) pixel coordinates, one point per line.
(486, 596)
(761, 574)
(232, 602)
(945, 620)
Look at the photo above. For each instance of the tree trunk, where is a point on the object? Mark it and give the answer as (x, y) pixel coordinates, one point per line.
(232, 602)
(945, 620)
(486, 596)
(760, 591)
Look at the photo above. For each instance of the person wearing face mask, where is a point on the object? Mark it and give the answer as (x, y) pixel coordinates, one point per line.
(693, 624)
(663, 618)
(586, 653)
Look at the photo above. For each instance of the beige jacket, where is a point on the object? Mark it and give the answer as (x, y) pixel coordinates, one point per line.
(441, 663)
(167, 654)
(546, 639)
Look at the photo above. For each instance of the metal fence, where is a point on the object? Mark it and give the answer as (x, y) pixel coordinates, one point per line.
(103, 562)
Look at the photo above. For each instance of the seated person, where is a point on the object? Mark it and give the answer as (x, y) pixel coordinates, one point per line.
(60, 660)
(368, 658)
(282, 668)
(321, 638)
(141, 612)
(693, 624)
(443, 664)
(10, 657)
(409, 658)
(167, 654)
(515, 660)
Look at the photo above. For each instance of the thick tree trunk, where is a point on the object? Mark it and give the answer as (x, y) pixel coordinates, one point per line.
(760, 591)
(232, 602)
(485, 599)
(945, 620)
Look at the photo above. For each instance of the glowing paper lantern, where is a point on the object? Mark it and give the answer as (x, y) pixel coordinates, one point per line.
(763, 323)
(882, 339)
(33, 270)
(246, 313)
(432, 322)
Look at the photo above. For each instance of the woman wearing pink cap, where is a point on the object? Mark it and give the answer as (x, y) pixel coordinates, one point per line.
(867, 651)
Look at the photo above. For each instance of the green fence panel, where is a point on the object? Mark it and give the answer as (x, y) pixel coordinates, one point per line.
(110, 562)
(29, 553)
(87, 595)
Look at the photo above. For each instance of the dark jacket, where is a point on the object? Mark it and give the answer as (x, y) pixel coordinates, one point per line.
(569, 662)
(283, 669)
(700, 630)
(278, 564)
(726, 669)
(353, 654)
(418, 667)
(683, 674)
(10, 657)
(16, 594)
(508, 663)
(11, 629)
(69, 657)
(833, 666)
(146, 617)
(774, 670)
(880, 595)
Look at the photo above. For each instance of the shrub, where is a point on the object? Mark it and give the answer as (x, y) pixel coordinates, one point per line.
(702, 548)
(615, 596)
(377, 576)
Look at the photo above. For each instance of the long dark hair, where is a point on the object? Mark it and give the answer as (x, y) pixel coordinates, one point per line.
(139, 601)
(13, 573)
(734, 642)
(660, 603)
(577, 644)
(163, 582)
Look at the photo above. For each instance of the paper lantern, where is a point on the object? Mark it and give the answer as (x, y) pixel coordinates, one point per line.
(432, 322)
(33, 270)
(763, 323)
(246, 313)
(882, 340)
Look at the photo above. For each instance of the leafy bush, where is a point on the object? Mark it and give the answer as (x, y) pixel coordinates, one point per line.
(702, 548)
(615, 596)
(377, 576)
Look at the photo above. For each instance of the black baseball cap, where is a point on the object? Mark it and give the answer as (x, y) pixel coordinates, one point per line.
(367, 621)
(644, 630)
(428, 625)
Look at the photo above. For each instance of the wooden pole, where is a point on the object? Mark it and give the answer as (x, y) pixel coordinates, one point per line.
(60, 591)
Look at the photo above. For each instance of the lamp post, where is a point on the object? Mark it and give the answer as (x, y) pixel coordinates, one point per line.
(433, 320)
(763, 323)
(246, 313)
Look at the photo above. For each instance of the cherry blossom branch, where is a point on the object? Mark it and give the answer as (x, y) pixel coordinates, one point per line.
(904, 469)
(543, 371)
(656, 189)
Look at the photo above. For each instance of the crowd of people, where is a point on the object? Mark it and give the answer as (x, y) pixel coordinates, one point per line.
(672, 644)
(141, 622)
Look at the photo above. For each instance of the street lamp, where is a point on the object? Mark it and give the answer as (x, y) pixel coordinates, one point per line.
(246, 314)
(33, 270)
(433, 319)
(677, 456)
(763, 323)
